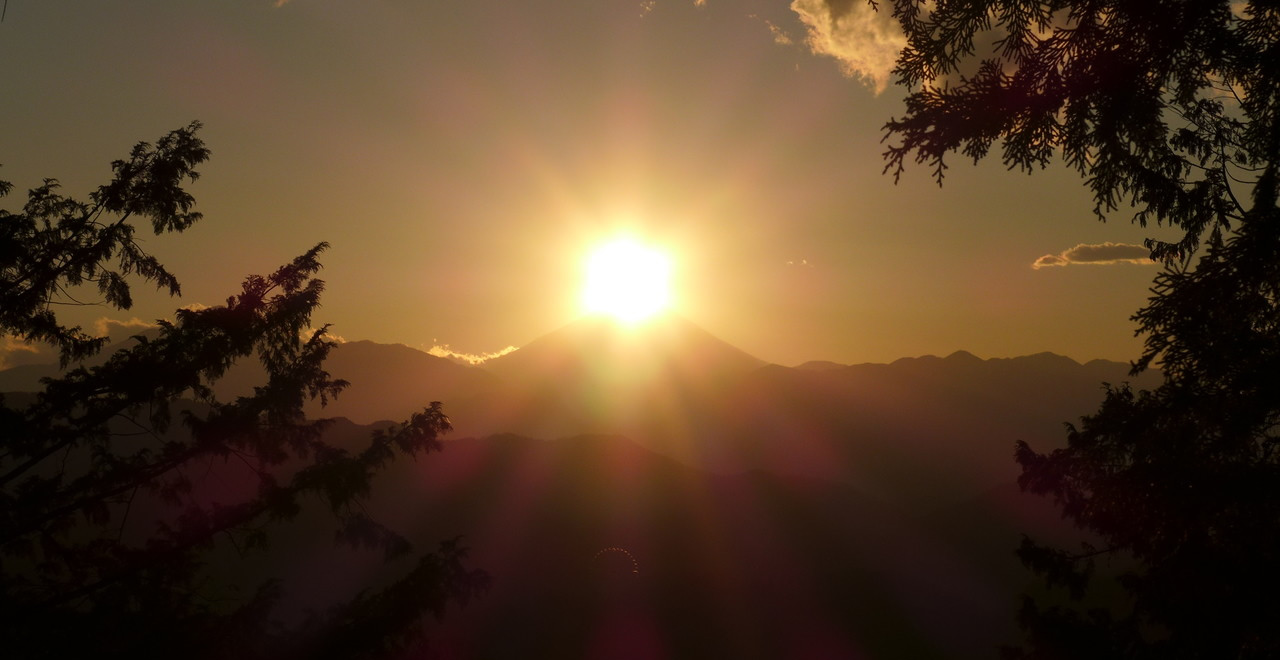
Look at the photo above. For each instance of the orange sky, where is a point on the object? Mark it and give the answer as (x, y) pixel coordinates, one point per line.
(463, 157)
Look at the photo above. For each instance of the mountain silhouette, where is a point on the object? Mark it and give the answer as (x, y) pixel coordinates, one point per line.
(26, 376)
(597, 376)
(392, 381)
(824, 510)
(747, 565)
(919, 433)
(603, 351)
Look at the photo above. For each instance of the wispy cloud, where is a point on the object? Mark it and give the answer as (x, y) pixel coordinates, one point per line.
(444, 351)
(865, 41)
(1100, 254)
(780, 36)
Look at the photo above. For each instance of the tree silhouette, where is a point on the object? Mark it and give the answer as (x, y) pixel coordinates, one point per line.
(1170, 108)
(104, 535)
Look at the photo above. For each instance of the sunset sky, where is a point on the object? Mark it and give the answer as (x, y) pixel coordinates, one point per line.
(463, 158)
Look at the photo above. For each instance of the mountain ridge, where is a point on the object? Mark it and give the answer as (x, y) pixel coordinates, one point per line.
(26, 375)
(877, 499)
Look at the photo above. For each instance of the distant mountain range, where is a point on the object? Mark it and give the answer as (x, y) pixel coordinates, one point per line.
(823, 511)
(916, 433)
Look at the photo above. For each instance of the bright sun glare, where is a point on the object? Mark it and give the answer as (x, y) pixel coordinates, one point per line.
(627, 280)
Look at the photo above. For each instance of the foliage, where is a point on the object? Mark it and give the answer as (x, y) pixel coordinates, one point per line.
(58, 242)
(103, 529)
(1170, 108)
(1161, 105)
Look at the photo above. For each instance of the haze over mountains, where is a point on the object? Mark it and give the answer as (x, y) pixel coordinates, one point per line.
(822, 510)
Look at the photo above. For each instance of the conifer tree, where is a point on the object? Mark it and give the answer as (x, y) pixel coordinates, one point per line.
(1171, 109)
(104, 540)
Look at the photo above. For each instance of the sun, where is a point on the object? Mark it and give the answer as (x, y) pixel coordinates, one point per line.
(627, 280)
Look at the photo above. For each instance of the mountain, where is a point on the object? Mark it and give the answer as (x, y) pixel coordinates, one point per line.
(587, 537)
(26, 377)
(598, 376)
(821, 365)
(919, 433)
(656, 491)
(391, 382)
(602, 351)
(27, 374)
(385, 381)
(715, 556)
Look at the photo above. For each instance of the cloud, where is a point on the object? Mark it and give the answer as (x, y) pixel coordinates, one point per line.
(119, 330)
(865, 41)
(780, 36)
(1049, 260)
(329, 334)
(16, 352)
(1101, 254)
(444, 351)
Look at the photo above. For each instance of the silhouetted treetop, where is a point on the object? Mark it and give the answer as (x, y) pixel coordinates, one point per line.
(1173, 108)
(107, 535)
(57, 242)
(1166, 106)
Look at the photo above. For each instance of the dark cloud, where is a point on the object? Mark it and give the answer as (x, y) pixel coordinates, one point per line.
(1098, 254)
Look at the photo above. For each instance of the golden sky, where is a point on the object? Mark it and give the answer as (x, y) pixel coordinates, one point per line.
(463, 157)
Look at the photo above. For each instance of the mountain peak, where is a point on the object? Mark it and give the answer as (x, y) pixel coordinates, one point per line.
(963, 357)
(603, 347)
(1046, 357)
(821, 365)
